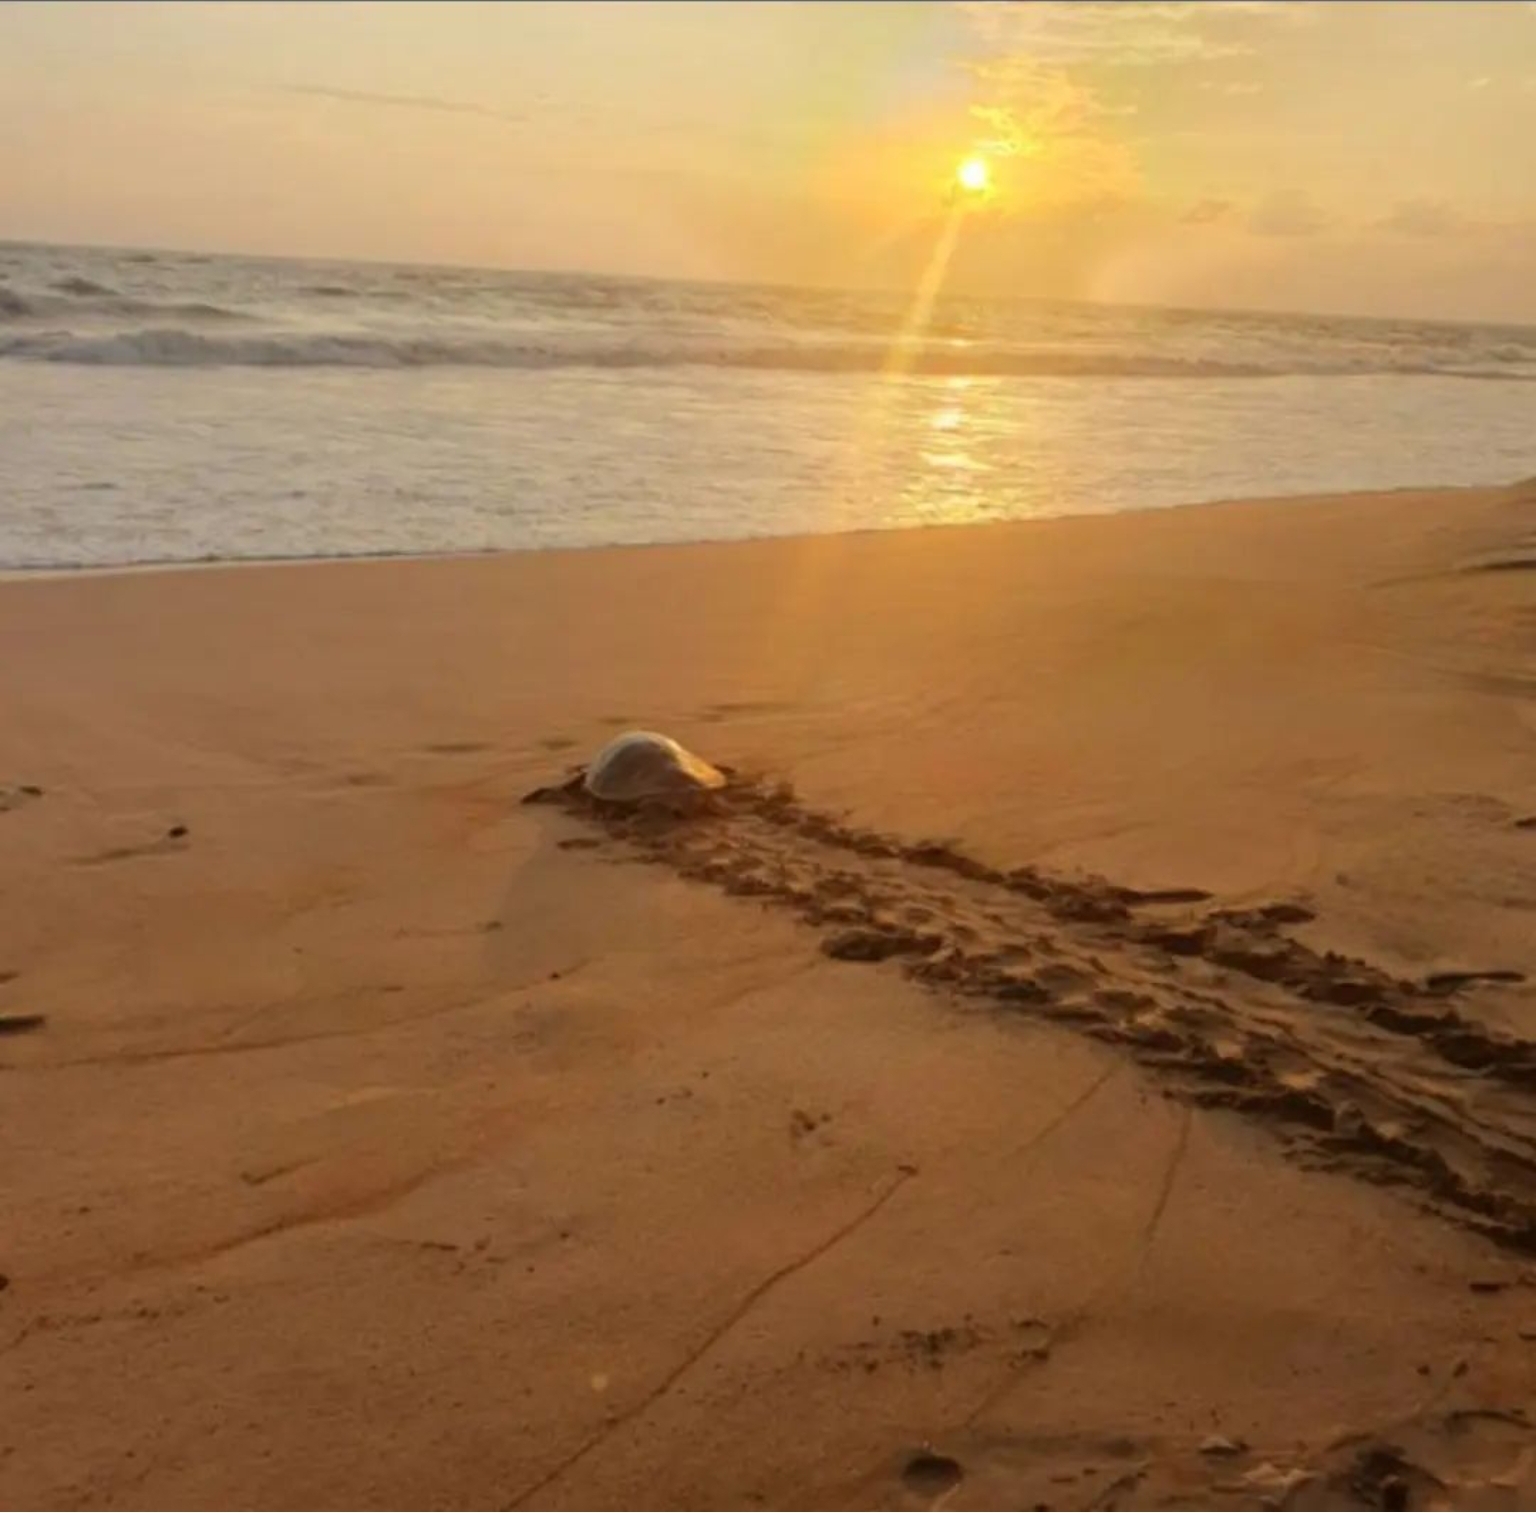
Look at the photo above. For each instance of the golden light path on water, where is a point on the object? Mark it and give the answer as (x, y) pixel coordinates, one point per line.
(885, 421)
(941, 476)
(813, 579)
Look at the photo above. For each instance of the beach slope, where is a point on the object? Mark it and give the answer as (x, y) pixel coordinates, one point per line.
(1085, 1061)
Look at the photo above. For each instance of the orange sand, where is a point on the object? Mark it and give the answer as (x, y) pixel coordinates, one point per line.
(382, 1148)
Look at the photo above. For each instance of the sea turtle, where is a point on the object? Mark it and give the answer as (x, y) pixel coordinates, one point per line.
(643, 765)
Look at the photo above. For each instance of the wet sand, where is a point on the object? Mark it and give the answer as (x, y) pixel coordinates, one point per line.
(1084, 1061)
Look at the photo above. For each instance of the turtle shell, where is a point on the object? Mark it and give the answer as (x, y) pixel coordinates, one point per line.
(640, 764)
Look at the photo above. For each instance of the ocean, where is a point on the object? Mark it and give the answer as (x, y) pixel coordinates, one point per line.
(178, 407)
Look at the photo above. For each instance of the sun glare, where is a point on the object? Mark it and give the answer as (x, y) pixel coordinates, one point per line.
(974, 175)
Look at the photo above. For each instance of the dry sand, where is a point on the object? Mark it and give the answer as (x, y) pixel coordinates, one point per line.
(389, 1142)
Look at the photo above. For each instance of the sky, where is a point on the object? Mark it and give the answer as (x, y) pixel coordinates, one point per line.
(1373, 158)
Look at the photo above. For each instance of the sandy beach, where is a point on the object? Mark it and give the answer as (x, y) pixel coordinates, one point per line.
(1107, 1079)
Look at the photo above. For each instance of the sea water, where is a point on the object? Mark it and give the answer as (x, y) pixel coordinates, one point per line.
(170, 407)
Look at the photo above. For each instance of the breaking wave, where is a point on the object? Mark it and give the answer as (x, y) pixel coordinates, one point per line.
(77, 297)
(180, 347)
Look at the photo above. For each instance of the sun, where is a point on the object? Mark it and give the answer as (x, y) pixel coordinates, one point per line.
(974, 175)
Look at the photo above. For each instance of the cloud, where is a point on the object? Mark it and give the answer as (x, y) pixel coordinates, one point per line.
(1421, 218)
(1026, 104)
(1207, 212)
(1039, 73)
(402, 102)
(1288, 212)
(1054, 133)
(1125, 32)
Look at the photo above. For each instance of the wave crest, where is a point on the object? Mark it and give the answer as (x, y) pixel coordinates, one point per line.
(82, 298)
(177, 347)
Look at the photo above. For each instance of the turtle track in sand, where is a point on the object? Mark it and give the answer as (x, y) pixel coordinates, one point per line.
(1352, 1068)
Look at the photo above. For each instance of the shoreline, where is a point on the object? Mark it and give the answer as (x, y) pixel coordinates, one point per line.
(475, 554)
